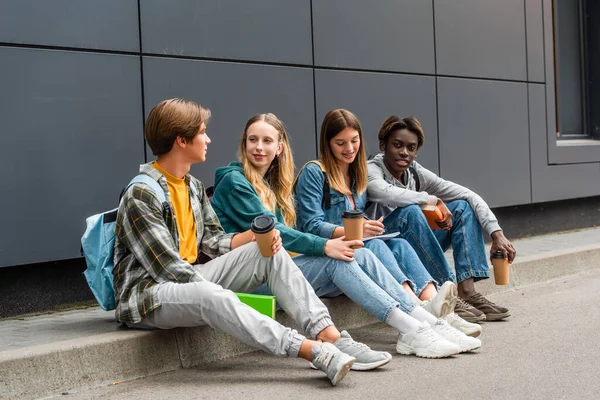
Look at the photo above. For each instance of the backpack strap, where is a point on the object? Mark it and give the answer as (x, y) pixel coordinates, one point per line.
(413, 171)
(154, 185)
(326, 187)
(194, 188)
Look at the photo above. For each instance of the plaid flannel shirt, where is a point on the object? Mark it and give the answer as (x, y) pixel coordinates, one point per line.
(147, 245)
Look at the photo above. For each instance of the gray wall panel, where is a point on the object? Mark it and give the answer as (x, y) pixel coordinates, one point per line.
(72, 138)
(107, 24)
(374, 97)
(261, 30)
(535, 40)
(234, 93)
(554, 182)
(484, 141)
(381, 34)
(481, 38)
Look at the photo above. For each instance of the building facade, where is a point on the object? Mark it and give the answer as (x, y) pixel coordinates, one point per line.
(77, 79)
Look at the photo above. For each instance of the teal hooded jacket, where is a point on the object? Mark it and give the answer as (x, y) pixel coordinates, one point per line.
(236, 203)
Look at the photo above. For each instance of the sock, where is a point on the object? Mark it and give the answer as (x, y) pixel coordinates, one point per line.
(422, 315)
(402, 322)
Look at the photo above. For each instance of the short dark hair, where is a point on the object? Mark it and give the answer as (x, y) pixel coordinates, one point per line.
(395, 123)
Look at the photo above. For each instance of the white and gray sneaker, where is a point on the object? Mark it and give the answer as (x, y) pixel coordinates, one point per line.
(424, 342)
(444, 302)
(468, 328)
(333, 362)
(366, 359)
(466, 343)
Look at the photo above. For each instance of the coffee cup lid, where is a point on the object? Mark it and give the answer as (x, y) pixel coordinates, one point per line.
(262, 224)
(351, 214)
(497, 254)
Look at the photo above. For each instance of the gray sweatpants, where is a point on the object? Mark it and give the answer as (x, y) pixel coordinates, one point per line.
(212, 301)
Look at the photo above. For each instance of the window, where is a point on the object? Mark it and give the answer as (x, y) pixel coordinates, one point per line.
(577, 40)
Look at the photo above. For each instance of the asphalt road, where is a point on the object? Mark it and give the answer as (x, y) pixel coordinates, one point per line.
(548, 349)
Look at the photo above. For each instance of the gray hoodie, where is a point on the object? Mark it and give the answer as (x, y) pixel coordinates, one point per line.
(389, 193)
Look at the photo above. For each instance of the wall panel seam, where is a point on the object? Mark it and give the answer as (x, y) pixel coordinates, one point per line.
(528, 105)
(437, 104)
(314, 78)
(142, 81)
(255, 62)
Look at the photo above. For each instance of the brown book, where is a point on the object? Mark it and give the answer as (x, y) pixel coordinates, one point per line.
(433, 213)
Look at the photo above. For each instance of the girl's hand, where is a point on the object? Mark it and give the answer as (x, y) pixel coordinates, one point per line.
(277, 244)
(373, 228)
(341, 249)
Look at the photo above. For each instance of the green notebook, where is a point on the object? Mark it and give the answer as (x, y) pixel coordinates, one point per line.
(263, 304)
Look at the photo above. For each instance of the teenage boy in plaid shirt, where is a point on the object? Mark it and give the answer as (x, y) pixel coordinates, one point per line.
(158, 283)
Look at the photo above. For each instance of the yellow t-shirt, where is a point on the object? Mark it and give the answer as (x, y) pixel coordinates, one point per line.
(186, 223)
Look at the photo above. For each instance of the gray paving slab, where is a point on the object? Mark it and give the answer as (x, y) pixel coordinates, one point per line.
(547, 350)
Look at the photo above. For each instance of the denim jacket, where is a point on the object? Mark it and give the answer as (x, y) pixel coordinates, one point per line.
(311, 214)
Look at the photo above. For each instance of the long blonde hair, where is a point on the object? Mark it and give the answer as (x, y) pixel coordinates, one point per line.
(276, 193)
(334, 122)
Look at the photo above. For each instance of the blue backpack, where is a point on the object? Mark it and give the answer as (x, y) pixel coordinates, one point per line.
(98, 247)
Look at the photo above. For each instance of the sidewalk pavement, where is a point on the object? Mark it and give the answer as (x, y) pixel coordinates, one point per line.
(49, 354)
(546, 350)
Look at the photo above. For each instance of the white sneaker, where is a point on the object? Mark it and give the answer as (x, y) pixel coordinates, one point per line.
(466, 343)
(333, 362)
(444, 302)
(424, 342)
(468, 328)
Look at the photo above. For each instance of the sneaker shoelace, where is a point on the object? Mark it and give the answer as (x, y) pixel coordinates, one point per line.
(461, 304)
(428, 332)
(447, 328)
(324, 357)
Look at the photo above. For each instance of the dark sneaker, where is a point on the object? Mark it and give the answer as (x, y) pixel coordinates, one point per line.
(492, 311)
(468, 312)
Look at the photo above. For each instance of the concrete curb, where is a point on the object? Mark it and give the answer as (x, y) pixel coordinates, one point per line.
(87, 362)
(127, 354)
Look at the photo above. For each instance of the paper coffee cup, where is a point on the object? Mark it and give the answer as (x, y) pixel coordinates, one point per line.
(353, 225)
(501, 268)
(263, 228)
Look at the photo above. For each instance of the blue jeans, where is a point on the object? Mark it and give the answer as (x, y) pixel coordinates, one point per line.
(366, 281)
(400, 259)
(465, 237)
